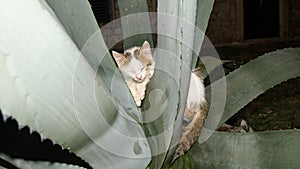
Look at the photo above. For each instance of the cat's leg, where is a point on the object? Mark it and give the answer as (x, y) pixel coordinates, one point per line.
(194, 115)
(135, 94)
(187, 122)
(193, 122)
(141, 88)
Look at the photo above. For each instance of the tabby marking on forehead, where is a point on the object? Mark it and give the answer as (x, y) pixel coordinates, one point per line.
(132, 52)
(136, 65)
(137, 54)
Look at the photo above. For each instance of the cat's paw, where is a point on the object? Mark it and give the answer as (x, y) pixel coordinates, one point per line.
(138, 102)
(187, 117)
(141, 93)
(137, 98)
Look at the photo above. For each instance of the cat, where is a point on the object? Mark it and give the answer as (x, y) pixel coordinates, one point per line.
(137, 65)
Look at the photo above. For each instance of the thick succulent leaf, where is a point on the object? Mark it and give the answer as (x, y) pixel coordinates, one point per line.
(216, 95)
(159, 108)
(229, 94)
(257, 76)
(186, 19)
(21, 142)
(135, 22)
(87, 35)
(77, 18)
(252, 150)
(25, 164)
(160, 105)
(46, 82)
(174, 46)
(271, 149)
(185, 16)
(37, 72)
(204, 9)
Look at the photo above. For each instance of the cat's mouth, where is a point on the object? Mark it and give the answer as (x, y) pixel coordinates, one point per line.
(139, 80)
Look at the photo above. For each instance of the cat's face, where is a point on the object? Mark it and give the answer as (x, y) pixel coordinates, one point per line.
(135, 63)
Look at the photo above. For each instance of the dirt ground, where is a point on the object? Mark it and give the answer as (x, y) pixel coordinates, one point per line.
(275, 109)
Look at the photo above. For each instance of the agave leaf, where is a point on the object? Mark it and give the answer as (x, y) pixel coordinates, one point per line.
(271, 149)
(159, 108)
(161, 102)
(186, 19)
(22, 142)
(229, 94)
(204, 9)
(257, 76)
(252, 150)
(135, 22)
(195, 15)
(80, 24)
(76, 17)
(86, 32)
(45, 82)
(175, 46)
(215, 95)
(24, 69)
(26, 164)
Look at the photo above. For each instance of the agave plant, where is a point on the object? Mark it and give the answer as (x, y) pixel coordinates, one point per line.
(58, 78)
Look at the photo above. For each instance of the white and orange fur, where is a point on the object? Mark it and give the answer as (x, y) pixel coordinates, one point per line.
(137, 67)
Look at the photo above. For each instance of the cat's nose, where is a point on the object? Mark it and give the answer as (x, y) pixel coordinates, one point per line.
(139, 77)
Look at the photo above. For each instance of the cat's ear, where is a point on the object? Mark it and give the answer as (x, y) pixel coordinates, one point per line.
(146, 50)
(119, 58)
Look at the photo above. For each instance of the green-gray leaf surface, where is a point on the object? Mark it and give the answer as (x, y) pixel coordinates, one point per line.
(47, 84)
(271, 149)
(135, 22)
(26, 164)
(252, 79)
(194, 17)
(81, 26)
(164, 84)
(204, 9)
(276, 149)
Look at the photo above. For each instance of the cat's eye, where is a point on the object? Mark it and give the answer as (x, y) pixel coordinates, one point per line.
(136, 52)
(143, 67)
